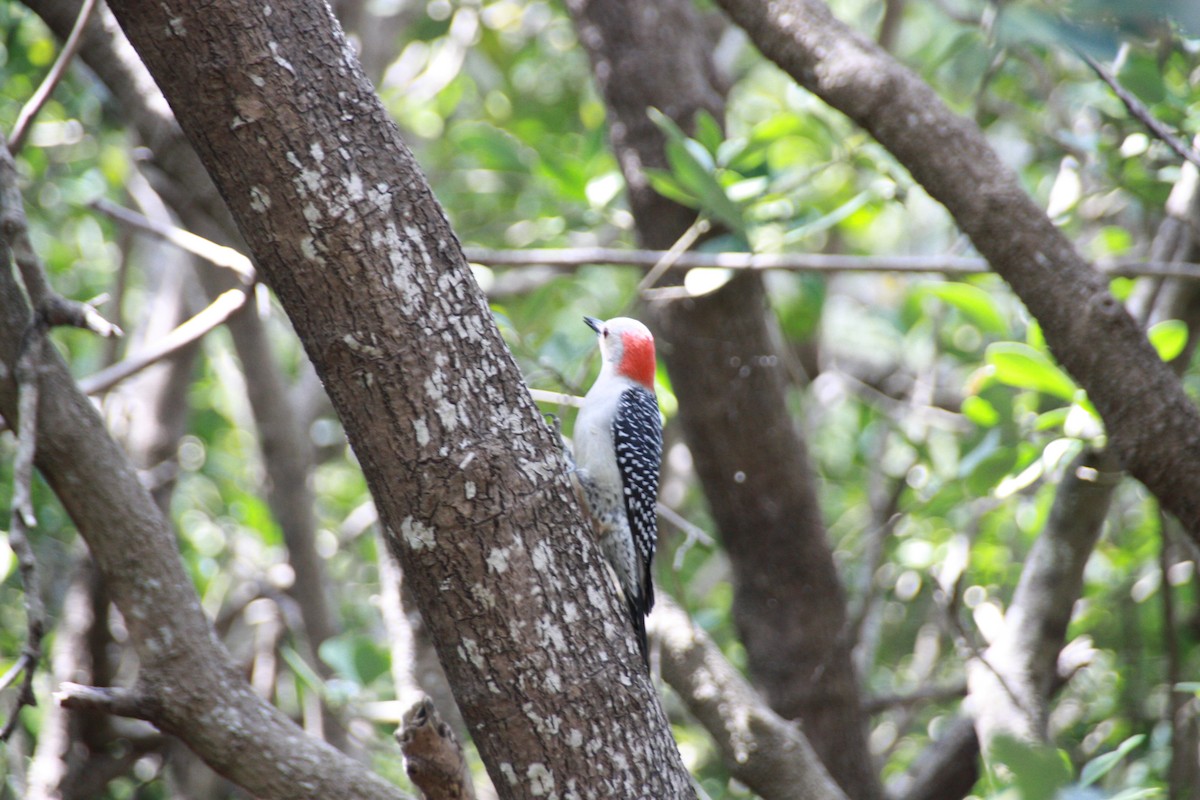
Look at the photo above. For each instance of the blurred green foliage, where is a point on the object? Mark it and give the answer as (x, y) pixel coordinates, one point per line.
(496, 100)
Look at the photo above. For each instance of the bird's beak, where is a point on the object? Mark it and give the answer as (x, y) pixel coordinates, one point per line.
(593, 323)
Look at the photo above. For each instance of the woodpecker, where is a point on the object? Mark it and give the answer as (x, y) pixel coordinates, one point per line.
(618, 453)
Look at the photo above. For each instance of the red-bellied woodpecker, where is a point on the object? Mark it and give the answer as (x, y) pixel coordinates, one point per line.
(618, 452)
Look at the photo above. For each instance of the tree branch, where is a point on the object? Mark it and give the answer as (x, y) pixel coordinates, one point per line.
(110, 700)
(50, 308)
(197, 692)
(761, 749)
(188, 332)
(34, 105)
(1142, 114)
(1153, 427)
(571, 258)
(1011, 682)
(28, 360)
(210, 251)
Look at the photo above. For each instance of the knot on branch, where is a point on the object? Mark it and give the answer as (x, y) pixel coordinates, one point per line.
(433, 758)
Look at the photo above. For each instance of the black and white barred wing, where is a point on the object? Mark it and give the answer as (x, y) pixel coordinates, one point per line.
(637, 440)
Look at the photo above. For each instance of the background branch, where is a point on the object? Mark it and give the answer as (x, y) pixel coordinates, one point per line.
(567, 259)
(761, 749)
(35, 103)
(1138, 111)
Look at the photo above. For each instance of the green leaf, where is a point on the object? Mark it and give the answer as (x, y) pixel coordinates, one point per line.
(973, 302)
(708, 131)
(665, 184)
(1138, 794)
(1188, 686)
(826, 221)
(1053, 419)
(1038, 771)
(1021, 366)
(1100, 766)
(980, 411)
(692, 166)
(1169, 337)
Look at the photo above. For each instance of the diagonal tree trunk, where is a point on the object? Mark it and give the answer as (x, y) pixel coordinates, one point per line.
(470, 484)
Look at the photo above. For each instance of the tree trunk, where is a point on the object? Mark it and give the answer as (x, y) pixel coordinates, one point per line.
(789, 606)
(470, 484)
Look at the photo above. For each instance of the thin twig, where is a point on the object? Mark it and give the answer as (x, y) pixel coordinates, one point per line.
(558, 398)
(30, 110)
(187, 332)
(926, 694)
(571, 258)
(1142, 114)
(670, 257)
(210, 251)
(47, 304)
(23, 519)
(692, 533)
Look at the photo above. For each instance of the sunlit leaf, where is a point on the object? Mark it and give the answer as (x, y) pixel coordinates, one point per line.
(1169, 337)
(708, 131)
(1022, 366)
(980, 411)
(972, 301)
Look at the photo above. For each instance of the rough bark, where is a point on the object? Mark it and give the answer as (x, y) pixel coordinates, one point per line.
(761, 749)
(148, 414)
(1152, 426)
(283, 439)
(433, 758)
(470, 484)
(187, 684)
(719, 350)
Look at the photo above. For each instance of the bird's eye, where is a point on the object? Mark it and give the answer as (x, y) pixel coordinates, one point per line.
(605, 333)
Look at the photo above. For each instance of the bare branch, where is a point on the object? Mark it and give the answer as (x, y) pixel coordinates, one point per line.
(1142, 114)
(557, 398)
(926, 694)
(213, 315)
(111, 700)
(571, 258)
(432, 755)
(14, 233)
(670, 257)
(30, 110)
(210, 251)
